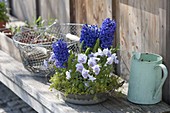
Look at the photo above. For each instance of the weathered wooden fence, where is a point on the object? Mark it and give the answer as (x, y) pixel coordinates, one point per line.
(143, 25)
(23, 9)
(90, 11)
(29, 10)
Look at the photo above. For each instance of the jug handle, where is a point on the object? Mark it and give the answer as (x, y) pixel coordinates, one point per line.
(165, 74)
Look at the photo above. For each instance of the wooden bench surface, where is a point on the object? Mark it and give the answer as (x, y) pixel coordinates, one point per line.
(34, 91)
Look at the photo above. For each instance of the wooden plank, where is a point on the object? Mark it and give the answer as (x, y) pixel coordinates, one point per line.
(139, 29)
(116, 16)
(37, 5)
(92, 11)
(145, 27)
(55, 9)
(72, 11)
(81, 14)
(166, 88)
(36, 88)
(24, 10)
(23, 94)
(123, 31)
(162, 28)
(35, 92)
(7, 45)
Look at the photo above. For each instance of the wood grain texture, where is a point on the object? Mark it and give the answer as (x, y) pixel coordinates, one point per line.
(23, 94)
(116, 16)
(55, 9)
(24, 10)
(141, 29)
(7, 45)
(36, 93)
(91, 11)
(72, 11)
(145, 27)
(166, 53)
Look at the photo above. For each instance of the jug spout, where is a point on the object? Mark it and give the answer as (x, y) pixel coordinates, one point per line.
(137, 55)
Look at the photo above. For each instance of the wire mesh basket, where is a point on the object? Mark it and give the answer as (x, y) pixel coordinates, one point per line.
(35, 45)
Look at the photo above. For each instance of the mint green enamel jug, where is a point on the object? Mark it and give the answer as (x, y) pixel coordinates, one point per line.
(146, 78)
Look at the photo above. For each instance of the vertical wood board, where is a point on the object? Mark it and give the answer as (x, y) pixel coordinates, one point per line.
(91, 11)
(24, 10)
(139, 30)
(55, 9)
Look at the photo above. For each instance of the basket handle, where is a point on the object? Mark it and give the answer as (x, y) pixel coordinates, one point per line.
(55, 22)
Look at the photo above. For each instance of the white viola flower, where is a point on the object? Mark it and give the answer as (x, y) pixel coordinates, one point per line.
(109, 60)
(96, 54)
(107, 52)
(91, 62)
(114, 56)
(82, 58)
(91, 55)
(68, 76)
(97, 59)
(96, 69)
(52, 58)
(91, 78)
(79, 67)
(86, 84)
(99, 53)
(85, 73)
(116, 61)
(45, 64)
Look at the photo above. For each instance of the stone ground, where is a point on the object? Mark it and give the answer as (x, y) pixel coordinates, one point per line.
(11, 103)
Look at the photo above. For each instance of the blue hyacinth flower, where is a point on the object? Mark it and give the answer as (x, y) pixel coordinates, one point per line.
(89, 35)
(61, 53)
(107, 33)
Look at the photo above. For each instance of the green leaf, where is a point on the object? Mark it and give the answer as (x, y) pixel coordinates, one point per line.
(70, 60)
(87, 51)
(38, 20)
(81, 86)
(113, 50)
(96, 46)
(74, 66)
(81, 46)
